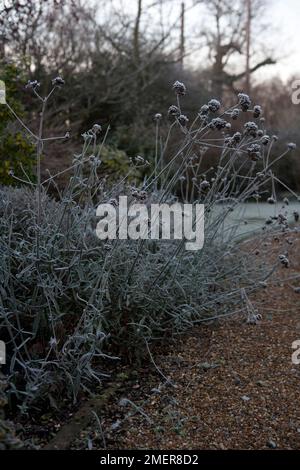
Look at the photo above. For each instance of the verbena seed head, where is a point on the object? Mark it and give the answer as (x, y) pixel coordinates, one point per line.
(58, 81)
(179, 88)
(157, 117)
(257, 111)
(251, 128)
(254, 152)
(96, 128)
(237, 137)
(244, 101)
(204, 110)
(173, 111)
(218, 124)
(204, 185)
(265, 140)
(32, 84)
(214, 105)
(235, 114)
(183, 120)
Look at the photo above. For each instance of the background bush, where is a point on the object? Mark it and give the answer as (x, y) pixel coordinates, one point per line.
(15, 148)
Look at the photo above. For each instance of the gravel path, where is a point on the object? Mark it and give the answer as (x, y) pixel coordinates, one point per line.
(234, 383)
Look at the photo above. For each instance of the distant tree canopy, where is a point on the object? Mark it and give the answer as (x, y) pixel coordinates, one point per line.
(119, 66)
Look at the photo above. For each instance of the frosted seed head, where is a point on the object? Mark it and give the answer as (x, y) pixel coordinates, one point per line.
(257, 110)
(179, 88)
(183, 120)
(218, 124)
(244, 101)
(173, 111)
(251, 128)
(214, 105)
(235, 114)
(204, 110)
(96, 128)
(32, 84)
(157, 117)
(58, 81)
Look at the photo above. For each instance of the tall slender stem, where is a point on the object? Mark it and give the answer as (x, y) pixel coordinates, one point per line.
(38, 171)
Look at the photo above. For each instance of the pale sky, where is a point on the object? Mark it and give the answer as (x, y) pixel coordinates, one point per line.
(286, 21)
(283, 38)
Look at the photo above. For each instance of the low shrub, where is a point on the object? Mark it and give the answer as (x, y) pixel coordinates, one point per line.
(71, 303)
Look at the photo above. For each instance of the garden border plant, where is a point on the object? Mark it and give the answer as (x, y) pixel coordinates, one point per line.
(70, 303)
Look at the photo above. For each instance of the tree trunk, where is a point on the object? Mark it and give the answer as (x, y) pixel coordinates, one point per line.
(182, 35)
(136, 34)
(248, 45)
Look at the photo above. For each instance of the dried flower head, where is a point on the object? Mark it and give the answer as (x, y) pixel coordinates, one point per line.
(204, 110)
(173, 110)
(114, 202)
(292, 146)
(265, 140)
(183, 120)
(179, 88)
(58, 81)
(139, 194)
(271, 200)
(254, 152)
(157, 117)
(204, 185)
(244, 101)
(214, 105)
(251, 128)
(32, 84)
(257, 111)
(96, 128)
(218, 124)
(235, 114)
(237, 137)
